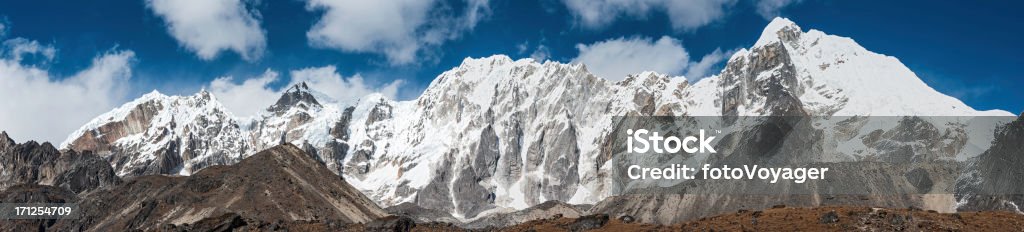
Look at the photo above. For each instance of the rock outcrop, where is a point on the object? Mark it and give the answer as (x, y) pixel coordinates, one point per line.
(995, 179)
(34, 163)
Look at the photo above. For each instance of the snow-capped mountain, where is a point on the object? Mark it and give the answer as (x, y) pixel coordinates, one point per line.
(496, 133)
(160, 134)
(299, 117)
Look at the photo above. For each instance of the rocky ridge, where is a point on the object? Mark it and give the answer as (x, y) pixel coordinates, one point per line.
(42, 164)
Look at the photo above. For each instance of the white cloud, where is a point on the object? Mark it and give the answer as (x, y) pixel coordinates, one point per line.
(345, 90)
(3, 29)
(684, 15)
(523, 47)
(17, 48)
(770, 8)
(398, 29)
(707, 64)
(540, 54)
(247, 98)
(254, 95)
(208, 27)
(615, 58)
(40, 106)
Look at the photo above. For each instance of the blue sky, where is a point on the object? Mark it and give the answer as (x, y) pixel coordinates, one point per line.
(116, 50)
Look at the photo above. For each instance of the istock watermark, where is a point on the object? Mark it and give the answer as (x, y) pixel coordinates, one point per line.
(773, 155)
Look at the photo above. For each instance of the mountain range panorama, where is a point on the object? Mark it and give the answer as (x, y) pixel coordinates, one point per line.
(496, 135)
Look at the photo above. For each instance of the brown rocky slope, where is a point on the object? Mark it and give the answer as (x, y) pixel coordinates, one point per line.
(281, 184)
(781, 218)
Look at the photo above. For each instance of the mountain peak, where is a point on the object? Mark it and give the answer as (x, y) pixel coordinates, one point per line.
(298, 94)
(5, 139)
(299, 87)
(777, 30)
(490, 60)
(203, 94)
(153, 94)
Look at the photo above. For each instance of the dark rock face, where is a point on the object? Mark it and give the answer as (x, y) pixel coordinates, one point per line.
(995, 180)
(279, 184)
(435, 195)
(5, 141)
(486, 161)
(472, 198)
(562, 161)
(557, 150)
(135, 122)
(359, 164)
(333, 151)
(30, 162)
(295, 95)
(914, 139)
(379, 112)
(510, 165)
(745, 85)
(469, 185)
(33, 163)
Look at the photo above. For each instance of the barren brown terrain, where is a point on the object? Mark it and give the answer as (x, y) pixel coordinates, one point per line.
(837, 218)
(779, 218)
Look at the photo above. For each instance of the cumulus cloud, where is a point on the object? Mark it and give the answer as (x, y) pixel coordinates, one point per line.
(398, 29)
(246, 98)
(345, 90)
(615, 58)
(707, 64)
(208, 27)
(770, 8)
(684, 15)
(18, 48)
(255, 94)
(40, 106)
